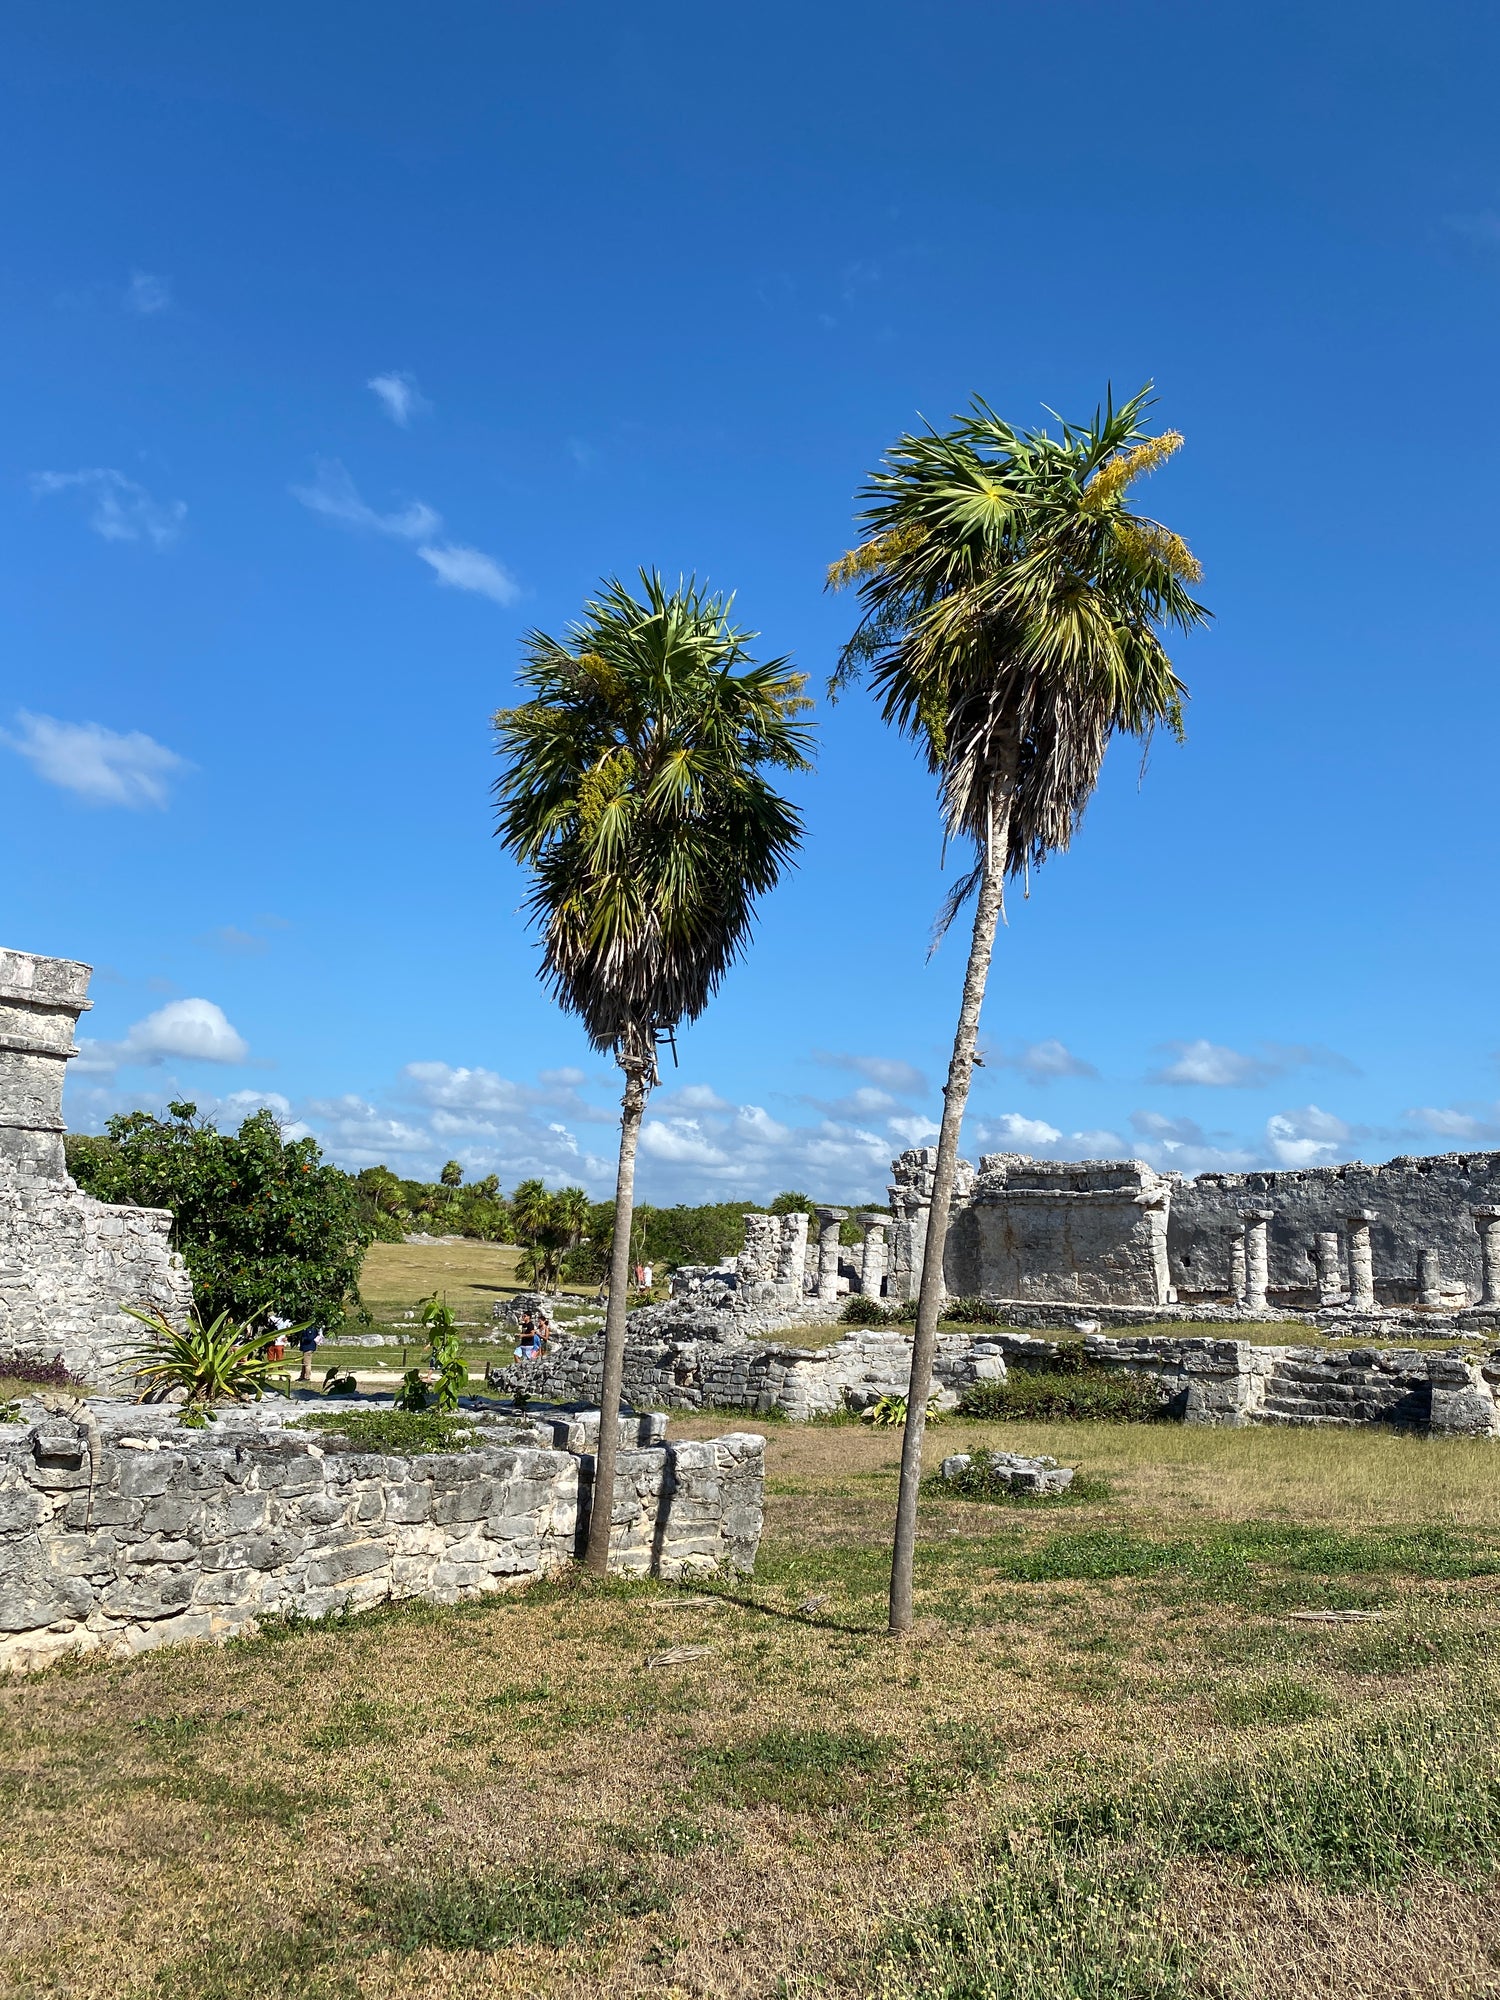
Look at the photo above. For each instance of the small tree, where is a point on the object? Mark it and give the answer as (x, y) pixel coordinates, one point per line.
(634, 789)
(452, 1175)
(1012, 606)
(265, 1225)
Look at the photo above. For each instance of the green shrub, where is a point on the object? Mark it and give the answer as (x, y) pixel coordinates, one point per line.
(214, 1363)
(1069, 1389)
(858, 1310)
(265, 1225)
(398, 1433)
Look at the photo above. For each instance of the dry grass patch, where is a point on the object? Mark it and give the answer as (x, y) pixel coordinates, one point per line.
(503, 1798)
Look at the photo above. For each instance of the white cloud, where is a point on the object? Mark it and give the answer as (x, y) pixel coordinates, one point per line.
(1044, 1062)
(470, 569)
(1307, 1137)
(1023, 1132)
(888, 1072)
(104, 766)
(401, 397)
(122, 510)
(687, 1097)
(1212, 1064)
(334, 495)
(147, 294)
(192, 1030)
(1450, 1124)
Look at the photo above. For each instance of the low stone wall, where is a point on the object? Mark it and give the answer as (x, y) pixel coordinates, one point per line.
(684, 1359)
(121, 1529)
(699, 1361)
(1232, 1383)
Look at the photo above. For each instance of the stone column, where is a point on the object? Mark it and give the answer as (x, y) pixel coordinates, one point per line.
(1330, 1287)
(758, 1260)
(1361, 1261)
(791, 1266)
(1429, 1278)
(1237, 1268)
(872, 1261)
(1257, 1256)
(1487, 1222)
(828, 1251)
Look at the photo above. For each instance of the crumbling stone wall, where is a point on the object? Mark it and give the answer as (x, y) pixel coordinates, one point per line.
(1093, 1232)
(1419, 1205)
(120, 1529)
(67, 1263)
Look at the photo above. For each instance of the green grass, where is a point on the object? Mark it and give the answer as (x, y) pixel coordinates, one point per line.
(800, 1770)
(1359, 1807)
(400, 1433)
(466, 1911)
(1281, 1700)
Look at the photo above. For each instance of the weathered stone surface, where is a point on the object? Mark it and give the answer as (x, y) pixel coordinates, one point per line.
(1018, 1473)
(67, 1263)
(168, 1533)
(1091, 1232)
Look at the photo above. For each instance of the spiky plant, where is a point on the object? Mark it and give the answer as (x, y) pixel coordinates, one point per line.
(634, 790)
(1013, 602)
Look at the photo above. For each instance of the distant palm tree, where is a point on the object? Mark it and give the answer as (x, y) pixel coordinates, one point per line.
(633, 789)
(1011, 604)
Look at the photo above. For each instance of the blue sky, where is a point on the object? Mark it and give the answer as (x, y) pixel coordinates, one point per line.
(342, 347)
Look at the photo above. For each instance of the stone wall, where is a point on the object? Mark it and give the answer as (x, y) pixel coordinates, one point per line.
(1419, 1204)
(67, 1263)
(121, 1529)
(688, 1358)
(1116, 1233)
(1094, 1232)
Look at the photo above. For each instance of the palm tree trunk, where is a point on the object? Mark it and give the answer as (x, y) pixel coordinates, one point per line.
(930, 1297)
(633, 1105)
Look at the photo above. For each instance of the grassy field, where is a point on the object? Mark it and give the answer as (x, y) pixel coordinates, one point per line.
(1112, 1763)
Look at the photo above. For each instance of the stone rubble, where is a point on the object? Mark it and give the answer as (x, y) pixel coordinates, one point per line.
(1019, 1474)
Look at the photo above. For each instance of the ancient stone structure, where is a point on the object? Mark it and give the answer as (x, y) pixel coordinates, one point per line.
(120, 1529)
(67, 1263)
(688, 1357)
(1091, 1233)
(830, 1221)
(1115, 1233)
(872, 1253)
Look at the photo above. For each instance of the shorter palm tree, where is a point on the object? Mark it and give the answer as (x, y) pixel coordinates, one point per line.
(634, 789)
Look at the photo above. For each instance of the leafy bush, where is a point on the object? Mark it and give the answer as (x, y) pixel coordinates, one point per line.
(215, 1363)
(891, 1410)
(53, 1374)
(265, 1225)
(1070, 1389)
(397, 1433)
(858, 1310)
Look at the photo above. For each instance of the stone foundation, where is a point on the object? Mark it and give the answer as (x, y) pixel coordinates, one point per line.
(121, 1529)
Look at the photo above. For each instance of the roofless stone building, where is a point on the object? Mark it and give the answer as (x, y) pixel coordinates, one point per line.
(68, 1263)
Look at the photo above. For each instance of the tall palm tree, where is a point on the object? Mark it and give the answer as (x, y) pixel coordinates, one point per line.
(1012, 605)
(633, 788)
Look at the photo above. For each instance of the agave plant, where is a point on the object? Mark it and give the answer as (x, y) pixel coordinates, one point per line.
(220, 1362)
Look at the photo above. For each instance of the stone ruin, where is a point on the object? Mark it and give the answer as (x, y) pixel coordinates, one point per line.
(67, 1262)
(1417, 1236)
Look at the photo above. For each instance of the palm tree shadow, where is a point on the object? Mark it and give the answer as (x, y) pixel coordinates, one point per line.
(809, 1622)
